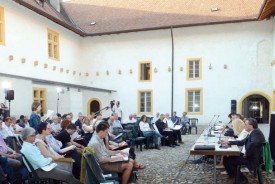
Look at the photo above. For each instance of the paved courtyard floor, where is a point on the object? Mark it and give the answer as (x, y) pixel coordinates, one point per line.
(168, 165)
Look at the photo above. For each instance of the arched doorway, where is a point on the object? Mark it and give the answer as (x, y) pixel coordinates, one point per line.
(256, 105)
(93, 105)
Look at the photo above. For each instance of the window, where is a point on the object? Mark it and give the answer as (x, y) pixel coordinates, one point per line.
(145, 71)
(39, 95)
(145, 102)
(193, 69)
(2, 26)
(193, 100)
(53, 45)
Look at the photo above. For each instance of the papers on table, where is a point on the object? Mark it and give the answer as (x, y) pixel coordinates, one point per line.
(49, 167)
(177, 127)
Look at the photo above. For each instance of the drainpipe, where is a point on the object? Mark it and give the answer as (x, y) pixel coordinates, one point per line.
(172, 73)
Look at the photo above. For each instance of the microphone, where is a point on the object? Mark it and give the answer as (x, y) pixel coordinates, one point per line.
(211, 120)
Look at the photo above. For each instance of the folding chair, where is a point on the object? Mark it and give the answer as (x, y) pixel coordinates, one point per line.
(94, 174)
(193, 124)
(32, 176)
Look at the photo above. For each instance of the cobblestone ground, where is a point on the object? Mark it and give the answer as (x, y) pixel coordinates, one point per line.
(168, 165)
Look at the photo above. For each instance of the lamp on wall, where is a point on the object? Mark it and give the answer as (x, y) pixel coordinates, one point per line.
(210, 67)
(35, 63)
(131, 71)
(225, 66)
(155, 70)
(107, 72)
(86, 74)
(273, 63)
(67, 71)
(10, 57)
(23, 60)
(181, 68)
(169, 69)
(54, 68)
(119, 72)
(74, 72)
(45, 65)
(97, 73)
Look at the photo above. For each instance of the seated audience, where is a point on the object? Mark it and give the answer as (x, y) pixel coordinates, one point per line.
(79, 121)
(8, 171)
(251, 152)
(20, 126)
(184, 120)
(43, 129)
(37, 160)
(148, 132)
(26, 120)
(55, 126)
(88, 129)
(103, 155)
(175, 118)
(53, 143)
(239, 129)
(165, 131)
(130, 119)
(7, 129)
(34, 117)
(155, 118)
(65, 137)
(170, 124)
(14, 159)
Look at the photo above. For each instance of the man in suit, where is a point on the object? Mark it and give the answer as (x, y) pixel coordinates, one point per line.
(251, 152)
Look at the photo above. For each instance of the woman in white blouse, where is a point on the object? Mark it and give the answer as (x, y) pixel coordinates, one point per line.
(87, 128)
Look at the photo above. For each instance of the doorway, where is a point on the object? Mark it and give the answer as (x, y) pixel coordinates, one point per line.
(256, 106)
(93, 105)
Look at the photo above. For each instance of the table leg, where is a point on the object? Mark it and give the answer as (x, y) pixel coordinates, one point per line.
(215, 172)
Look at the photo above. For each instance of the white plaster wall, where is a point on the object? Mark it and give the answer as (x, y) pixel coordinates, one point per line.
(26, 37)
(246, 48)
(22, 96)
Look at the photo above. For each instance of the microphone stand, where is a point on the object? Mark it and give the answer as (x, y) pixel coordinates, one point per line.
(105, 108)
(210, 125)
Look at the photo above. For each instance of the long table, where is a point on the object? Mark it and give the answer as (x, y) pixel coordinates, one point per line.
(232, 151)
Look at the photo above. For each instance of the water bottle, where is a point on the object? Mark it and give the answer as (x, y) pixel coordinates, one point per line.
(205, 137)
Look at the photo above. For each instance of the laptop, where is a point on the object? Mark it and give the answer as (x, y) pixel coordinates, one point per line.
(204, 147)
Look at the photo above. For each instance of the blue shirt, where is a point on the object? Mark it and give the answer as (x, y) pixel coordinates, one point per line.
(34, 120)
(174, 119)
(34, 156)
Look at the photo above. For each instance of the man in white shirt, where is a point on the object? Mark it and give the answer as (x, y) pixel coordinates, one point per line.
(155, 118)
(55, 126)
(130, 119)
(117, 109)
(7, 128)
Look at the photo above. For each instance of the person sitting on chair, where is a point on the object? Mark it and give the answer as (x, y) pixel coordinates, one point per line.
(184, 120)
(37, 160)
(148, 132)
(251, 153)
(103, 156)
(170, 124)
(165, 131)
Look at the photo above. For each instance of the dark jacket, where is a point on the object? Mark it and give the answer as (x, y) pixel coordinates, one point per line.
(161, 126)
(253, 146)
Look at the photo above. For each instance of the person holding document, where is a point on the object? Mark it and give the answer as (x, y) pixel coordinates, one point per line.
(38, 161)
(120, 163)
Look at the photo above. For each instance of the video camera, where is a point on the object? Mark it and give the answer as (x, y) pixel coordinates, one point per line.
(112, 103)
